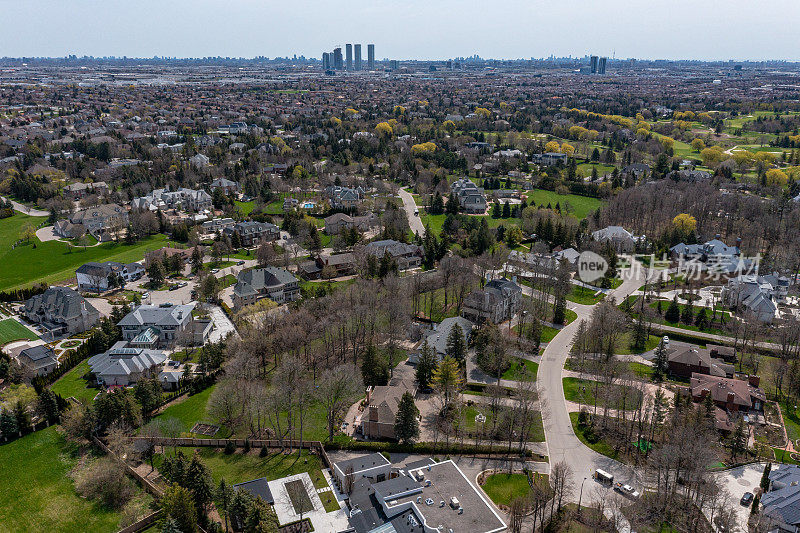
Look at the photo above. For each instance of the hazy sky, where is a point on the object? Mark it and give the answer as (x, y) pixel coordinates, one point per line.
(423, 29)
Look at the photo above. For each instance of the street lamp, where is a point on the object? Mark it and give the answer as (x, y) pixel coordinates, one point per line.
(580, 496)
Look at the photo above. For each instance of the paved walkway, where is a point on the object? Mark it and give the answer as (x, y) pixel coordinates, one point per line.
(28, 210)
(410, 207)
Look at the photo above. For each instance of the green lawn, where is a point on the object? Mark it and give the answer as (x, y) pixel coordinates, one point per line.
(191, 410)
(582, 391)
(582, 295)
(502, 488)
(73, 384)
(624, 344)
(11, 330)
(239, 467)
(535, 428)
(37, 493)
(791, 419)
(599, 446)
(579, 206)
(245, 207)
(52, 261)
(521, 370)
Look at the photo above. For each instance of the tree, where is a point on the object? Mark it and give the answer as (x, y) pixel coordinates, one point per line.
(336, 391)
(738, 439)
(178, 505)
(698, 145)
(456, 345)
(27, 232)
(224, 496)
(156, 273)
(426, 365)
(765, 477)
(685, 224)
(447, 377)
(673, 313)
(374, 367)
(406, 425)
(660, 363)
(197, 260)
(701, 320)
(198, 480)
(8, 424)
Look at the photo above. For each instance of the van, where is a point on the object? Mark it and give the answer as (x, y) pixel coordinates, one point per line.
(603, 477)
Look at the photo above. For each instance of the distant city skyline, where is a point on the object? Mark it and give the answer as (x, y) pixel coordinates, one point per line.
(517, 29)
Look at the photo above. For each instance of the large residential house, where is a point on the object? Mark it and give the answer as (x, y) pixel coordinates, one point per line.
(756, 296)
(218, 225)
(705, 251)
(61, 310)
(781, 503)
(374, 467)
(496, 302)
(275, 283)
(337, 222)
(405, 255)
(344, 197)
(549, 159)
(168, 252)
(79, 190)
(162, 326)
(227, 186)
(123, 365)
(437, 337)
(251, 233)
(182, 199)
(378, 419)
(621, 239)
(339, 265)
(423, 496)
(38, 360)
(98, 277)
(102, 222)
(687, 360)
(731, 397)
(470, 198)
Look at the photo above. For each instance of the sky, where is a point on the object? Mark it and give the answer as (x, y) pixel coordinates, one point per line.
(409, 29)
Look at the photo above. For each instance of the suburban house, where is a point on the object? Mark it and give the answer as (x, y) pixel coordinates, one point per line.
(335, 223)
(377, 421)
(781, 503)
(218, 225)
(227, 186)
(344, 197)
(470, 198)
(122, 365)
(79, 190)
(437, 337)
(621, 239)
(730, 396)
(423, 496)
(756, 296)
(200, 160)
(689, 175)
(496, 302)
(162, 326)
(549, 159)
(687, 360)
(374, 467)
(182, 199)
(252, 233)
(705, 251)
(405, 255)
(102, 222)
(61, 310)
(340, 265)
(277, 284)
(167, 252)
(38, 360)
(98, 277)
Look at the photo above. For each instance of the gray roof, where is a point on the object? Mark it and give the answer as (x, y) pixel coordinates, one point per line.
(364, 462)
(39, 356)
(437, 339)
(121, 360)
(59, 302)
(783, 501)
(258, 488)
(253, 281)
(158, 315)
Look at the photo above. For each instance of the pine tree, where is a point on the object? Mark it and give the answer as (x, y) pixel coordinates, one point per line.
(765, 477)
(660, 363)
(506, 210)
(198, 480)
(178, 505)
(406, 425)
(374, 369)
(8, 424)
(738, 441)
(701, 320)
(457, 345)
(497, 210)
(170, 526)
(673, 313)
(687, 316)
(426, 365)
(639, 336)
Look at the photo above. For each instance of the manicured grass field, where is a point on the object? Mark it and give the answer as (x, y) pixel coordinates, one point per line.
(582, 295)
(583, 391)
(37, 493)
(624, 344)
(11, 330)
(535, 428)
(190, 410)
(521, 370)
(580, 206)
(503, 488)
(73, 384)
(53, 261)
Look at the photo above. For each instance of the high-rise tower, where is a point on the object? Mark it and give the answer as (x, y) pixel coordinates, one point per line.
(370, 57)
(357, 50)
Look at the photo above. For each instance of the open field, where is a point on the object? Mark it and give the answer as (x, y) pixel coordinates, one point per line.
(580, 206)
(53, 261)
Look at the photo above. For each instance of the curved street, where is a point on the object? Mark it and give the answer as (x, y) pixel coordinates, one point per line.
(410, 207)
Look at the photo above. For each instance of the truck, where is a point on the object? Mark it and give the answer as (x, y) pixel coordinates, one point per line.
(603, 477)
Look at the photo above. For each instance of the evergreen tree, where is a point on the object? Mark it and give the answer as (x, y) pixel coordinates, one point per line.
(406, 425)
(506, 210)
(198, 480)
(178, 505)
(673, 313)
(496, 210)
(426, 365)
(660, 363)
(687, 316)
(47, 405)
(765, 477)
(374, 368)
(738, 439)
(701, 320)
(639, 341)
(197, 260)
(8, 424)
(451, 208)
(170, 526)
(457, 345)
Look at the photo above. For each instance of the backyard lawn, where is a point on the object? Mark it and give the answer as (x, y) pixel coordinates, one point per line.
(11, 330)
(73, 384)
(579, 206)
(582, 295)
(191, 410)
(37, 492)
(583, 391)
(598, 445)
(521, 370)
(502, 488)
(53, 261)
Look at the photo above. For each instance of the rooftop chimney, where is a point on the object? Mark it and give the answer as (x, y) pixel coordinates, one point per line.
(753, 380)
(731, 397)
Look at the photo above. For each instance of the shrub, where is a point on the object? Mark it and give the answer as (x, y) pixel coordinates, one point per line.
(230, 447)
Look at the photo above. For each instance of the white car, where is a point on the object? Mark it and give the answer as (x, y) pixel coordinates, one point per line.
(665, 340)
(627, 490)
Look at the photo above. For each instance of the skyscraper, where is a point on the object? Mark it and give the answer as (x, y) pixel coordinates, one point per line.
(370, 57)
(593, 63)
(601, 68)
(349, 54)
(358, 56)
(337, 58)
(326, 61)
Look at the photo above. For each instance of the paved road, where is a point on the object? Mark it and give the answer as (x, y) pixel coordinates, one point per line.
(736, 482)
(562, 443)
(410, 207)
(28, 210)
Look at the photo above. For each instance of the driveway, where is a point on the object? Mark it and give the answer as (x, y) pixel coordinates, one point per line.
(46, 234)
(736, 482)
(410, 206)
(28, 210)
(222, 324)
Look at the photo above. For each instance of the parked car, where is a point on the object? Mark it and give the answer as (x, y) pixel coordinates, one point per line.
(747, 498)
(665, 340)
(214, 270)
(239, 263)
(174, 287)
(627, 490)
